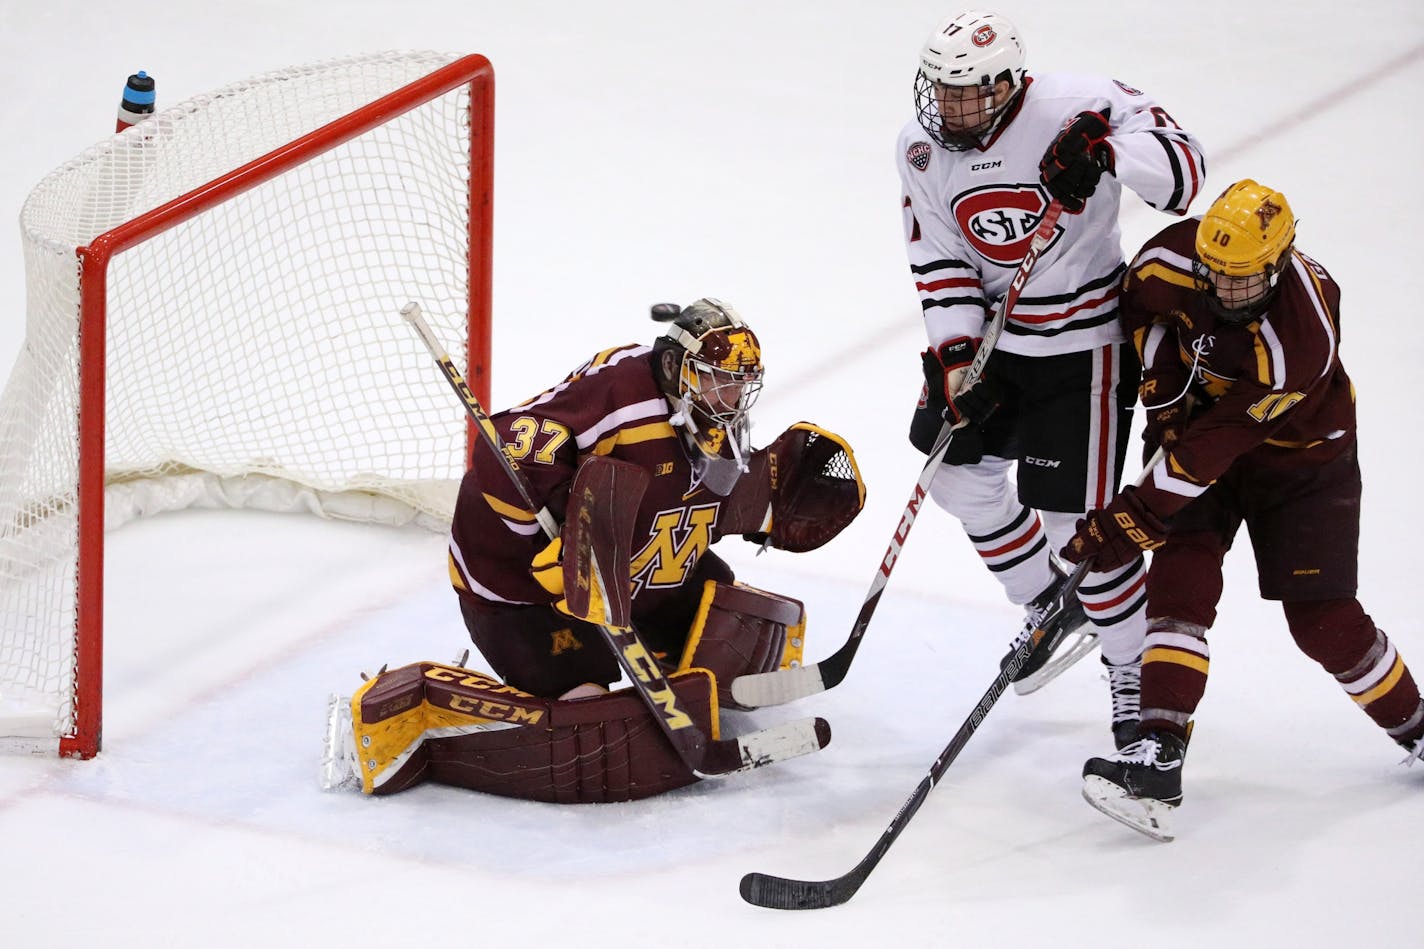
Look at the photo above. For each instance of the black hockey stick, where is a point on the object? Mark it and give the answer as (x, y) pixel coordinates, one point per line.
(704, 757)
(776, 892)
(773, 892)
(774, 688)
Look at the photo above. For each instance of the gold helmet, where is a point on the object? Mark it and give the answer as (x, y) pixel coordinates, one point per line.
(1243, 243)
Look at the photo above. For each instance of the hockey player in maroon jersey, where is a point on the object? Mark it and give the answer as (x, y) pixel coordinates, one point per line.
(549, 729)
(1233, 322)
(990, 147)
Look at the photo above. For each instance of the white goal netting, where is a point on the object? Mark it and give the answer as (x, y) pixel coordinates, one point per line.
(254, 352)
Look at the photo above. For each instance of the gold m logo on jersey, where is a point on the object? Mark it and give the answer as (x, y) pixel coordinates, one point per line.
(562, 640)
(679, 539)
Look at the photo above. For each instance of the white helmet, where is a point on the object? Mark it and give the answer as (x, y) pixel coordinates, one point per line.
(970, 49)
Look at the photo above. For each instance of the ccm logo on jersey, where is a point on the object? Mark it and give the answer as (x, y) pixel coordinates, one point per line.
(1042, 462)
(998, 221)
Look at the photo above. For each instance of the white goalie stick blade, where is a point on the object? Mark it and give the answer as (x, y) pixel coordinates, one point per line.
(755, 690)
(1142, 814)
(1075, 646)
(780, 742)
(338, 752)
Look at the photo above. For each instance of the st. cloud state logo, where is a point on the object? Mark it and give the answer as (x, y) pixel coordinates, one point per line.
(998, 221)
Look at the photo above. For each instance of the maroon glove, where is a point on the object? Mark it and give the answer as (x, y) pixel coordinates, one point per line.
(1116, 535)
(1166, 408)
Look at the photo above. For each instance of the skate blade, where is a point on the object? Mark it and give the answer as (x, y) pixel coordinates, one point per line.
(1074, 647)
(336, 770)
(1144, 815)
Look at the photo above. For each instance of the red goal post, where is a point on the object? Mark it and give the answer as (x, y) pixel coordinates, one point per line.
(213, 320)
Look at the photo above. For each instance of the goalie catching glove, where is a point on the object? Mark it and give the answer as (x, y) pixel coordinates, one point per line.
(801, 491)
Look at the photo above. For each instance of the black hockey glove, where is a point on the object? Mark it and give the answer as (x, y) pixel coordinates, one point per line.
(1076, 159)
(944, 370)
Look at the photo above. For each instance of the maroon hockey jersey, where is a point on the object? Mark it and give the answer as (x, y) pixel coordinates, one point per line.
(1274, 386)
(611, 405)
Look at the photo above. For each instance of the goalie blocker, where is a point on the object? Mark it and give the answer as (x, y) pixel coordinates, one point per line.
(460, 727)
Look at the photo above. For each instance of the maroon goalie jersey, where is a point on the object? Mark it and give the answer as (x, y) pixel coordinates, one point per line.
(1273, 386)
(611, 405)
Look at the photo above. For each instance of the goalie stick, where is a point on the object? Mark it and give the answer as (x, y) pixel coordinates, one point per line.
(703, 756)
(774, 892)
(774, 688)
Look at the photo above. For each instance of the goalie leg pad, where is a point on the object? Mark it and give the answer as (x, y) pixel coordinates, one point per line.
(466, 729)
(740, 630)
(396, 714)
(597, 750)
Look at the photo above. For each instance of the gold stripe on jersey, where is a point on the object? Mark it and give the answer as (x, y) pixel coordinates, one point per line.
(1263, 362)
(1165, 273)
(604, 356)
(1177, 471)
(1283, 443)
(456, 579)
(1320, 296)
(508, 511)
(634, 435)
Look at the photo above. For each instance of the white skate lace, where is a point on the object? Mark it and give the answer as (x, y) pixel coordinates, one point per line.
(1145, 752)
(1125, 687)
(1033, 619)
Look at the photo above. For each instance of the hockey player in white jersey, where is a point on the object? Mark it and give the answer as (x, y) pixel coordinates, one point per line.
(989, 148)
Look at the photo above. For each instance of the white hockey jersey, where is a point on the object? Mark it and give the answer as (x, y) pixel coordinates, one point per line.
(969, 216)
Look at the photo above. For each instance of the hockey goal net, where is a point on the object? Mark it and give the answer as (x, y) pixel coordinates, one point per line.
(213, 320)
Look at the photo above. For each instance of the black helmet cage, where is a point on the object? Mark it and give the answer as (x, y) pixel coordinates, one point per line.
(928, 114)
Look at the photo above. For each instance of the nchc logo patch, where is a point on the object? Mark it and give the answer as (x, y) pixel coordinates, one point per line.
(919, 155)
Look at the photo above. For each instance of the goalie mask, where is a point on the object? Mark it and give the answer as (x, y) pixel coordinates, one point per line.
(1243, 243)
(708, 364)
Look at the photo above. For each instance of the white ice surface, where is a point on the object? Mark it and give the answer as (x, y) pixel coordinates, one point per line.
(651, 151)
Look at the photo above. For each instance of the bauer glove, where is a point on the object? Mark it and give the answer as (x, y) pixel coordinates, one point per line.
(1076, 159)
(1166, 406)
(1116, 535)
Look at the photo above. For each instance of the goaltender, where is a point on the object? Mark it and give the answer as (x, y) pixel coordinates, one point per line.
(675, 414)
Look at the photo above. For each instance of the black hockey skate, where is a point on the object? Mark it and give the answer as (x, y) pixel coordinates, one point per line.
(1139, 786)
(1064, 625)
